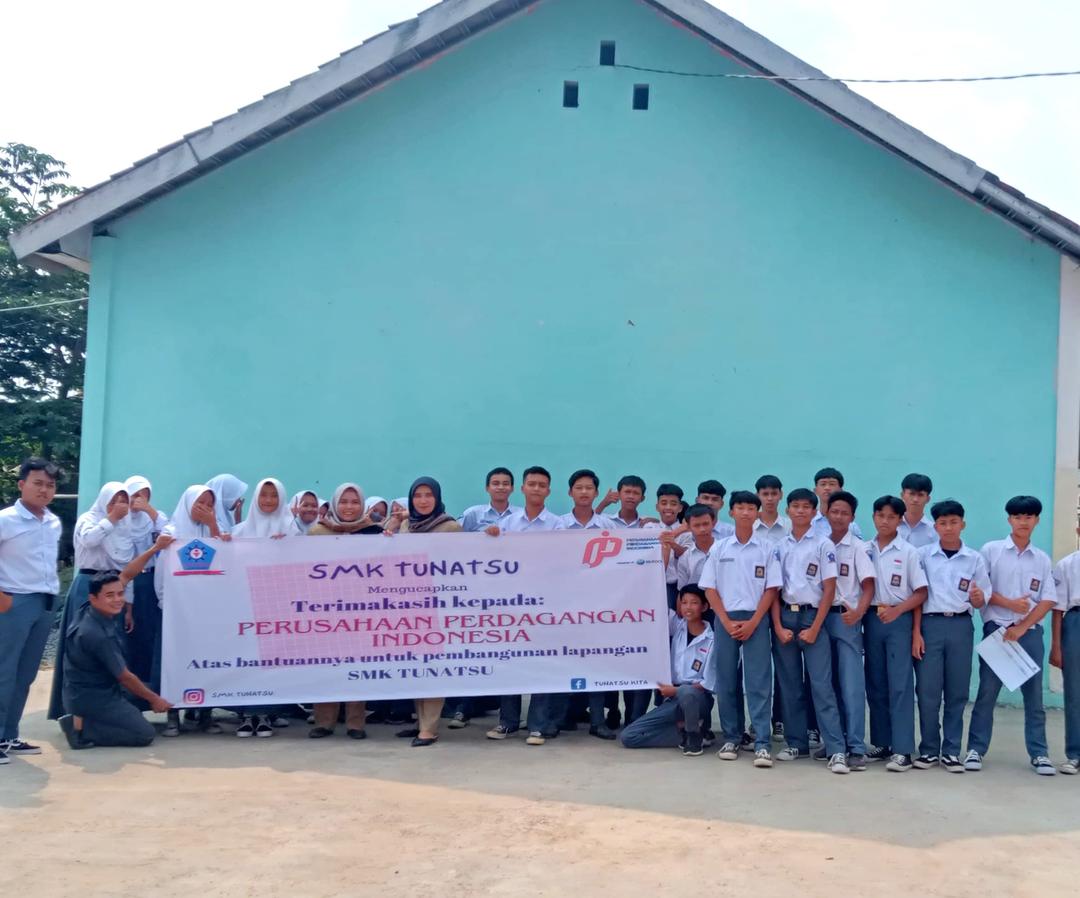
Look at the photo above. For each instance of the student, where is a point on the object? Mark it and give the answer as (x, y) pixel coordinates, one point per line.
(377, 508)
(499, 485)
(1065, 652)
(741, 578)
(345, 516)
(426, 514)
(899, 588)
(229, 492)
(29, 546)
(102, 543)
(545, 710)
(854, 591)
(400, 505)
(629, 493)
(1022, 595)
(701, 519)
(144, 524)
(98, 711)
(802, 648)
(771, 525)
(305, 510)
(916, 528)
(943, 637)
(669, 505)
(684, 715)
(711, 493)
(826, 482)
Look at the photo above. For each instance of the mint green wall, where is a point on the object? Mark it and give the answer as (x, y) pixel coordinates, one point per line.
(455, 272)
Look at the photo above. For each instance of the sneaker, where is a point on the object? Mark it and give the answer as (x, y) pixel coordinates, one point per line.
(278, 722)
(613, 719)
(925, 762)
(778, 732)
(1070, 767)
(4, 759)
(18, 747)
(1042, 766)
(819, 753)
(899, 763)
(952, 763)
(747, 743)
(838, 763)
(790, 753)
(682, 740)
(693, 746)
(601, 732)
(973, 760)
(73, 736)
(762, 758)
(534, 738)
(246, 729)
(172, 724)
(884, 753)
(319, 732)
(708, 738)
(500, 732)
(813, 737)
(729, 751)
(353, 734)
(263, 728)
(457, 722)
(856, 763)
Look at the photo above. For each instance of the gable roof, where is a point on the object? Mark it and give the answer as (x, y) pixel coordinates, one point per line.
(63, 235)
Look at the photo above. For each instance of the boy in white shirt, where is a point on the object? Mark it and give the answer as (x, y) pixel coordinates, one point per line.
(917, 527)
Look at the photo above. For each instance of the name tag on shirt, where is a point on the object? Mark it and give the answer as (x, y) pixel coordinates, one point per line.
(1035, 584)
(722, 560)
(759, 570)
(696, 666)
(843, 569)
(964, 584)
(811, 569)
(895, 580)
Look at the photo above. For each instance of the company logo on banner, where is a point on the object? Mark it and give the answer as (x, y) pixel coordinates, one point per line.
(603, 546)
(196, 558)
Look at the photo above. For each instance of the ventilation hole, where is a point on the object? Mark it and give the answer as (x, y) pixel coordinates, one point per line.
(607, 52)
(641, 96)
(569, 94)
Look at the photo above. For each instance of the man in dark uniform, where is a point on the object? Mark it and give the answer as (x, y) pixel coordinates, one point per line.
(95, 670)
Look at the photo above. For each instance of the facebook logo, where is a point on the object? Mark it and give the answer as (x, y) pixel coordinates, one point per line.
(577, 684)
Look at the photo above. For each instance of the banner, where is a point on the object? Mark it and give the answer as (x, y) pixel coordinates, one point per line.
(335, 618)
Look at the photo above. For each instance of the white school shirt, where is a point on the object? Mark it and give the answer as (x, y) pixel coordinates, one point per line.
(98, 543)
(719, 532)
(1067, 582)
(520, 522)
(596, 522)
(922, 534)
(693, 662)
(29, 549)
(853, 565)
(897, 571)
(805, 565)
(950, 579)
(671, 571)
(622, 525)
(480, 517)
(741, 572)
(821, 524)
(773, 533)
(690, 564)
(1014, 574)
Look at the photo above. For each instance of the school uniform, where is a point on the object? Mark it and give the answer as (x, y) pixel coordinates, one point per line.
(146, 612)
(480, 517)
(741, 573)
(596, 522)
(775, 532)
(692, 662)
(947, 630)
(94, 660)
(1067, 583)
(922, 534)
(820, 524)
(690, 565)
(620, 524)
(1014, 573)
(519, 521)
(853, 565)
(890, 669)
(671, 575)
(805, 564)
(29, 547)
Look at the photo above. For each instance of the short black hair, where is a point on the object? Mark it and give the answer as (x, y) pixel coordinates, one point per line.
(631, 480)
(494, 471)
(48, 468)
(802, 494)
(699, 509)
(692, 589)
(768, 482)
(1023, 505)
(713, 487)
(917, 483)
(894, 502)
(584, 472)
(843, 496)
(744, 497)
(946, 507)
(829, 474)
(669, 489)
(536, 469)
(102, 579)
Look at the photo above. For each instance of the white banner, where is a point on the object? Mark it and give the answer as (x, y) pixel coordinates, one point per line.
(335, 618)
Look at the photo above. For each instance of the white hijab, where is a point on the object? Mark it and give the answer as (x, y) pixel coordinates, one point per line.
(258, 523)
(227, 489)
(372, 502)
(119, 544)
(298, 525)
(403, 502)
(181, 525)
(139, 522)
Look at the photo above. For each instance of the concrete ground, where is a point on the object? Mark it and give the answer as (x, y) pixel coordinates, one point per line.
(214, 815)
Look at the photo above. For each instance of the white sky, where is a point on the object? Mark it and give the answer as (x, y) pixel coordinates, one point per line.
(114, 80)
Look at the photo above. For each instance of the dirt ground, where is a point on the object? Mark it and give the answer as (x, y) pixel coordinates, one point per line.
(214, 815)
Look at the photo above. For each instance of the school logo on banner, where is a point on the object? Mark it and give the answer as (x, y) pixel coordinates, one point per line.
(196, 558)
(598, 548)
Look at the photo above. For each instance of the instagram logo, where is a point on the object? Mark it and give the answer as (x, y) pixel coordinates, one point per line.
(603, 546)
(194, 697)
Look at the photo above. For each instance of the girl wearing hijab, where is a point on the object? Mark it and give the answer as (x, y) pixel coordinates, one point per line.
(229, 492)
(401, 505)
(426, 514)
(305, 510)
(102, 543)
(144, 523)
(344, 516)
(194, 518)
(377, 508)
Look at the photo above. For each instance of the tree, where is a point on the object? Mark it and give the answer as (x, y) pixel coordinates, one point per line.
(42, 349)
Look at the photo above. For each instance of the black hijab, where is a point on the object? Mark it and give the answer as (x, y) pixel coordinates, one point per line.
(419, 523)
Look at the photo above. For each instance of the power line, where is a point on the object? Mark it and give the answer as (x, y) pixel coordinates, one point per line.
(43, 305)
(758, 77)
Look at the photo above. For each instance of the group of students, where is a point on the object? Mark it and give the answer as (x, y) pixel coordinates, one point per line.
(790, 620)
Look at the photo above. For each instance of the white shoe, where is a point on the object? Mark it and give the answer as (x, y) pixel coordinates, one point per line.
(838, 763)
(790, 754)
(729, 751)
(762, 758)
(1070, 767)
(1042, 766)
(973, 760)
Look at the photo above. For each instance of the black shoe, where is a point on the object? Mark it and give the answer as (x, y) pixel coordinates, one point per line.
(567, 726)
(410, 733)
(613, 719)
(319, 733)
(879, 754)
(952, 763)
(746, 743)
(356, 734)
(682, 741)
(73, 736)
(421, 743)
(18, 747)
(601, 732)
(925, 762)
(856, 762)
(708, 738)
(692, 747)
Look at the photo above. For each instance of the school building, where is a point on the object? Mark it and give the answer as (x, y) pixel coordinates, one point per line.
(510, 232)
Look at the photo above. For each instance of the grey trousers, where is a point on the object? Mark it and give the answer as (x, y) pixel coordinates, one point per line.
(944, 672)
(24, 630)
(110, 719)
(658, 729)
